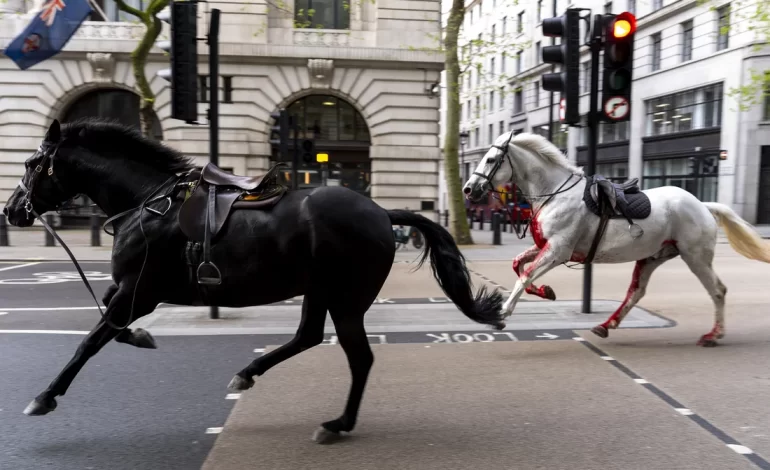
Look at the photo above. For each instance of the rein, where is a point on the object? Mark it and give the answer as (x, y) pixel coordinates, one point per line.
(498, 163)
(31, 211)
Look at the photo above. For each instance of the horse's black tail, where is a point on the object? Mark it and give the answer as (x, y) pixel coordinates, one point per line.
(448, 266)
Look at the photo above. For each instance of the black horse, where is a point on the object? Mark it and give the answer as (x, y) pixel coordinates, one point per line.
(330, 244)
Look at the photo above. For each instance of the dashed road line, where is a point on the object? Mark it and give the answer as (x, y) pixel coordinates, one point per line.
(489, 281)
(46, 332)
(8, 268)
(728, 441)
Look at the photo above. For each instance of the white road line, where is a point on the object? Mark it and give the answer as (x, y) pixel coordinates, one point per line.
(46, 332)
(3, 313)
(259, 350)
(641, 381)
(49, 309)
(8, 268)
(743, 450)
(213, 430)
(233, 396)
(579, 338)
(607, 358)
(684, 411)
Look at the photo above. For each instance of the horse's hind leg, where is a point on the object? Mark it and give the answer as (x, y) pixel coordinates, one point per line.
(639, 281)
(700, 265)
(545, 292)
(351, 334)
(309, 334)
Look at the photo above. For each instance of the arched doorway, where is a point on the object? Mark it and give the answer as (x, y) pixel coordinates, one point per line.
(108, 103)
(338, 130)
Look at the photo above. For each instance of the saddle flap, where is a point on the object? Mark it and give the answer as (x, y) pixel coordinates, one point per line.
(192, 214)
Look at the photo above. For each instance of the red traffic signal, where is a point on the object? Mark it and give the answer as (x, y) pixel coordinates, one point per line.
(623, 26)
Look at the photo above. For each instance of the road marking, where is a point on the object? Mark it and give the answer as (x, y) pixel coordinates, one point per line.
(707, 426)
(47, 332)
(579, 338)
(608, 358)
(8, 268)
(213, 430)
(49, 309)
(3, 313)
(259, 350)
(233, 396)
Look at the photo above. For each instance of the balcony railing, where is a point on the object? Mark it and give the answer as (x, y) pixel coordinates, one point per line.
(110, 30)
(321, 37)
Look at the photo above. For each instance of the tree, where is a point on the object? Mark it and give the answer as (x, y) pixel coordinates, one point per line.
(149, 18)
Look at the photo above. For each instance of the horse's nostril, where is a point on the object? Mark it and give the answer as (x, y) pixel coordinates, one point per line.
(467, 190)
(5, 211)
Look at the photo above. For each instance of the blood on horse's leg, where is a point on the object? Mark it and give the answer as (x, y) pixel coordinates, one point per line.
(544, 292)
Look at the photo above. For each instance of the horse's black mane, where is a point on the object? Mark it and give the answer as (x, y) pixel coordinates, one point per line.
(100, 135)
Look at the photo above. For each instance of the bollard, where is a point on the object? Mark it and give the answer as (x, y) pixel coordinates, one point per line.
(481, 219)
(504, 218)
(95, 232)
(446, 218)
(49, 241)
(470, 219)
(3, 231)
(496, 237)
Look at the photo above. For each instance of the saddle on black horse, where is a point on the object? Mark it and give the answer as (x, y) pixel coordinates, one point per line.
(212, 199)
(610, 200)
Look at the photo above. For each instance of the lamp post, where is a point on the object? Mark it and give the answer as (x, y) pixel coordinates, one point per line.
(463, 141)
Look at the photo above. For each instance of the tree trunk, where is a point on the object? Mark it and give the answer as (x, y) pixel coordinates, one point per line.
(458, 222)
(138, 62)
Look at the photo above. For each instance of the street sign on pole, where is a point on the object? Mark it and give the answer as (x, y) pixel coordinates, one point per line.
(616, 108)
(562, 109)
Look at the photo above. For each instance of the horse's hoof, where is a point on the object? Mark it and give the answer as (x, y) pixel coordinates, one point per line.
(38, 408)
(238, 384)
(600, 331)
(708, 342)
(500, 326)
(143, 339)
(324, 436)
(548, 293)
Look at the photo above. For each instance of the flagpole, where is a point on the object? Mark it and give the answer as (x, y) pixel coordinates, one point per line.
(98, 9)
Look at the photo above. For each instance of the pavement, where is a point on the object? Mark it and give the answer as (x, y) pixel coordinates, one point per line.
(444, 392)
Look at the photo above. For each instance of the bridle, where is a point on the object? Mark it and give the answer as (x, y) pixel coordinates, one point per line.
(505, 156)
(48, 159)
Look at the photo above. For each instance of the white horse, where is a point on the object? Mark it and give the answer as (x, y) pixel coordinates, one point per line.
(564, 229)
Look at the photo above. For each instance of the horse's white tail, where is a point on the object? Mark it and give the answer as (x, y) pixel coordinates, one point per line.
(742, 236)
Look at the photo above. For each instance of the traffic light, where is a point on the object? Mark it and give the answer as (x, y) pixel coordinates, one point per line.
(618, 66)
(308, 150)
(279, 133)
(566, 55)
(183, 49)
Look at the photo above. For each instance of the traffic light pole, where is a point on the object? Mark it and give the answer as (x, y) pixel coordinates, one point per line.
(213, 114)
(550, 99)
(593, 135)
(295, 160)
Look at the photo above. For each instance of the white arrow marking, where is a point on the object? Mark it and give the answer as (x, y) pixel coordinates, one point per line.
(547, 335)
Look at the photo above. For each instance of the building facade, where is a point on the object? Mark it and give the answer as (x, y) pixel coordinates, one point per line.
(686, 128)
(360, 76)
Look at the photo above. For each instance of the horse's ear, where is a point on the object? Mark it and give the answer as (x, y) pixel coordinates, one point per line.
(54, 132)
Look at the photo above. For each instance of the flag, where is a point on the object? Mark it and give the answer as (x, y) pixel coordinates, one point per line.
(48, 32)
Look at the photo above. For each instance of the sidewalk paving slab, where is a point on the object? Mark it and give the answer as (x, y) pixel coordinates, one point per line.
(521, 405)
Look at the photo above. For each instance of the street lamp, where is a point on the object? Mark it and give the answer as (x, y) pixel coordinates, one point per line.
(463, 141)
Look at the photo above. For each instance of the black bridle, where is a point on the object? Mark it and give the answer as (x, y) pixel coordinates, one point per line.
(505, 156)
(28, 189)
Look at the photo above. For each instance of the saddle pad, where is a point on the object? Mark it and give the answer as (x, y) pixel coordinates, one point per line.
(638, 205)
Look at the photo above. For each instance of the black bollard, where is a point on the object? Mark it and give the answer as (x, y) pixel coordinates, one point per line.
(49, 241)
(504, 218)
(481, 219)
(3, 231)
(95, 232)
(496, 236)
(446, 218)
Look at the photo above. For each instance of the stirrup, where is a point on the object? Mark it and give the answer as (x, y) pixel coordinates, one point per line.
(214, 280)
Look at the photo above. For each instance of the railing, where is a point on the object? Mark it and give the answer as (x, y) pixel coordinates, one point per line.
(110, 30)
(321, 37)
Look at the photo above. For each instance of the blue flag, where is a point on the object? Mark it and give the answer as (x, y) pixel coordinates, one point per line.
(48, 32)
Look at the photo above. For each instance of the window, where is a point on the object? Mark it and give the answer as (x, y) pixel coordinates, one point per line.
(492, 67)
(112, 12)
(537, 94)
(476, 137)
(655, 51)
(686, 41)
(325, 117)
(766, 114)
(608, 8)
(616, 172)
(699, 108)
(203, 88)
(501, 128)
(502, 63)
(518, 63)
(502, 29)
(493, 33)
(657, 5)
(228, 89)
(491, 101)
(478, 74)
(723, 27)
(613, 132)
(491, 136)
(469, 110)
(539, 11)
(478, 106)
(322, 14)
(518, 102)
(631, 6)
(520, 23)
(560, 133)
(586, 76)
(697, 174)
(502, 97)
(537, 53)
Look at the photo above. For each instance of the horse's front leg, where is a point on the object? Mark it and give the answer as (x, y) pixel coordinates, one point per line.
(554, 253)
(139, 337)
(118, 312)
(544, 292)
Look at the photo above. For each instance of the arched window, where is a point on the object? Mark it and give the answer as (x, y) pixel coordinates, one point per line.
(114, 104)
(322, 14)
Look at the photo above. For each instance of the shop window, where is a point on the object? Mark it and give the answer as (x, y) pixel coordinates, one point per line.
(697, 174)
(616, 172)
(560, 133)
(693, 109)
